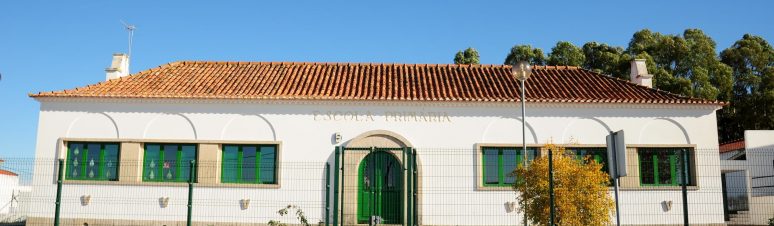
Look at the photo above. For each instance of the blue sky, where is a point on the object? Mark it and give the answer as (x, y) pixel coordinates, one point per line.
(57, 45)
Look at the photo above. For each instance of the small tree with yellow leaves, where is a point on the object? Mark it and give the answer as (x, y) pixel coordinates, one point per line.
(580, 190)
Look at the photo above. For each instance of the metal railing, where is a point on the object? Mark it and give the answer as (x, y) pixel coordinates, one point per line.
(437, 186)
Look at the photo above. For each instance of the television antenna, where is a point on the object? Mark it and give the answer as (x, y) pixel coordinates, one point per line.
(130, 28)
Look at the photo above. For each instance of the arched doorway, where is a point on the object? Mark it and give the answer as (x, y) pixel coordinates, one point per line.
(372, 153)
(380, 188)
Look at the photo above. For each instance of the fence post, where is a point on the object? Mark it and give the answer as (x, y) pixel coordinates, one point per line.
(372, 162)
(60, 172)
(343, 184)
(684, 182)
(415, 187)
(191, 176)
(336, 187)
(405, 190)
(551, 186)
(725, 196)
(409, 189)
(327, 191)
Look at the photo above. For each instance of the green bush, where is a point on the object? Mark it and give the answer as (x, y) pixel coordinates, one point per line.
(771, 221)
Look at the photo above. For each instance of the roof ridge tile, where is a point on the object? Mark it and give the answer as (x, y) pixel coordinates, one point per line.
(370, 81)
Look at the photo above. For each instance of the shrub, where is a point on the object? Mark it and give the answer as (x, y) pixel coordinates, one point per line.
(284, 211)
(580, 188)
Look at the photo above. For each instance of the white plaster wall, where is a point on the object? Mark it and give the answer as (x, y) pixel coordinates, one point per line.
(446, 151)
(759, 145)
(8, 184)
(761, 210)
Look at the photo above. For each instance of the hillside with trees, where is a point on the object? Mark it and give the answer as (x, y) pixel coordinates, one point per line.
(688, 64)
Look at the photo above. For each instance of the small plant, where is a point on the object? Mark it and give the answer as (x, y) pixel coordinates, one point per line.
(771, 221)
(284, 211)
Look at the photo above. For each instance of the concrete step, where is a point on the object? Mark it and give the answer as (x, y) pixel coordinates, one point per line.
(740, 218)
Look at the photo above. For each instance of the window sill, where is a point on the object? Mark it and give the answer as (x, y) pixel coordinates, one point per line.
(171, 184)
(494, 188)
(124, 183)
(230, 185)
(654, 188)
(657, 188)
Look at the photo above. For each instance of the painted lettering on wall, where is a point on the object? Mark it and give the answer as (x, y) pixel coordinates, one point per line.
(387, 116)
(355, 116)
(413, 116)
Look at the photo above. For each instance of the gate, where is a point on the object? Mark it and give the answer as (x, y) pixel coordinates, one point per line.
(384, 190)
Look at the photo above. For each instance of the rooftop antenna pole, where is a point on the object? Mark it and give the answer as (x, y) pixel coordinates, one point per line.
(131, 29)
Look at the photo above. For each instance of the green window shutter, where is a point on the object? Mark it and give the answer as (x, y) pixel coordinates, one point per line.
(92, 161)
(491, 166)
(586, 155)
(249, 164)
(230, 165)
(498, 164)
(74, 164)
(92, 154)
(647, 168)
(662, 167)
(598, 155)
(268, 165)
(510, 160)
(168, 162)
(252, 164)
(187, 154)
(152, 163)
(111, 161)
(683, 167)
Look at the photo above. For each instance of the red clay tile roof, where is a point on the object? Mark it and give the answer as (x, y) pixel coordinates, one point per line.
(369, 81)
(732, 146)
(6, 172)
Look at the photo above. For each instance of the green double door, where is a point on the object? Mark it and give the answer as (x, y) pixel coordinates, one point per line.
(380, 188)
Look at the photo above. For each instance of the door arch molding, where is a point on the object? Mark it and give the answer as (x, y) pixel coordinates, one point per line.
(378, 138)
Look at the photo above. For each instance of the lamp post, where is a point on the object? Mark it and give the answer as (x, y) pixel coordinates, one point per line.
(521, 71)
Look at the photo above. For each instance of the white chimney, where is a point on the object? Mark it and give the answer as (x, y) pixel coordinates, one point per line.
(639, 74)
(119, 67)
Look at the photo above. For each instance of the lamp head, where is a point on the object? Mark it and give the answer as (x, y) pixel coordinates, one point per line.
(522, 70)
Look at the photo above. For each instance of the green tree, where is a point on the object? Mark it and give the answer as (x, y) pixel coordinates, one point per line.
(567, 54)
(467, 56)
(518, 53)
(752, 62)
(686, 64)
(605, 59)
(580, 188)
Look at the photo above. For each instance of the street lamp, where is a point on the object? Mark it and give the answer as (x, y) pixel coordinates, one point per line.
(521, 71)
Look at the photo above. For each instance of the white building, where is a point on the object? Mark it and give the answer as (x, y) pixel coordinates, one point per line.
(748, 171)
(13, 196)
(455, 117)
(9, 182)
